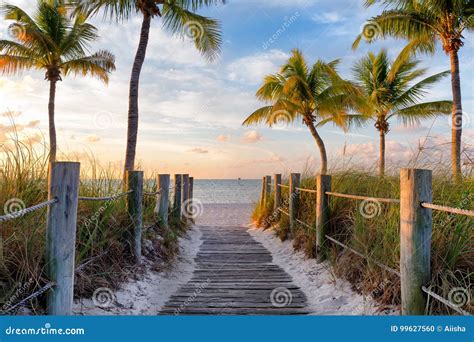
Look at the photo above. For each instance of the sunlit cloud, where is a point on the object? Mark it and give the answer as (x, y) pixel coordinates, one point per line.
(251, 137)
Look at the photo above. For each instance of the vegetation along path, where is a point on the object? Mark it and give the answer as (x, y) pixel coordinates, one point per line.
(236, 275)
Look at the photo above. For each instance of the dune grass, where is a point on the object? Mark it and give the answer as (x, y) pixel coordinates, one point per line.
(452, 247)
(103, 230)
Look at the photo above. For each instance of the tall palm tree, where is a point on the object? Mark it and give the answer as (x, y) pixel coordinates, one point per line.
(55, 42)
(180, 18)
(388, 91)
(424, 23)
(315, 95)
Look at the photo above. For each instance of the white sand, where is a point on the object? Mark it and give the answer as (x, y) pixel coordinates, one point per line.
(327, 295)
(147, 295)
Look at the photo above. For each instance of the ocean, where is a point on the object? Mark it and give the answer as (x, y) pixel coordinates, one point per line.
(212, 191)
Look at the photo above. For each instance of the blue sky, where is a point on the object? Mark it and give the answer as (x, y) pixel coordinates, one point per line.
(191, 110)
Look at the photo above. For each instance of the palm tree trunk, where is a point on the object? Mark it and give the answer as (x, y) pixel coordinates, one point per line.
(382, 155)
(132, 130)
(456, 129)
(322, 148)
(52, 127)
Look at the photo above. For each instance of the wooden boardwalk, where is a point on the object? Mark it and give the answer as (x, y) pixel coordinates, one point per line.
(235, 275)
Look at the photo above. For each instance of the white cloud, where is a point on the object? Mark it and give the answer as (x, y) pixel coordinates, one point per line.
(93, 138)
(223, 137)
(252, 69)
(251, 137)
(328, 17)
(199, 150)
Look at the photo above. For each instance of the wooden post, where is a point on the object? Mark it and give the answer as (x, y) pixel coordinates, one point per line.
(294, 195)
(63, 184)
(134, 181)
(277, 192)
(268, 189)
(323, 185)
(185, 197)
(177, 195)
(162, 200)
(191, 196)
(415, 238)
(262, 193)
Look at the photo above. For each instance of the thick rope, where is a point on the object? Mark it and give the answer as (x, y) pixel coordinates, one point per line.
(30, 297)
(25, 211)
(366, 198)
(448, 209)
(284, 212)
(109, 198)
(307, 190)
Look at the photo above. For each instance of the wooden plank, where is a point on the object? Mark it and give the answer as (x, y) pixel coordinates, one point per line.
(63, 184)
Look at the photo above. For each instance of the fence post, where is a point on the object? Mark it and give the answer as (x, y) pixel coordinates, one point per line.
(134, 181)
(162, 199)
(268, 189)
(177, 196)
(63, 184)
(294, 195)
(277, 193)
(415, 238)
(191, 196)
(323, 185)
(185, 197)
(262, 193)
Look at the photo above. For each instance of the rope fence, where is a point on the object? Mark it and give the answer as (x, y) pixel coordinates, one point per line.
(284, 212)
(304, 224)
(107, 198)
(283, 186)
(30, 297)
(306, 190)
(153, 193)
(25, 211)
(448, 209)
(378, 263)
(364, 198)
(445, 301)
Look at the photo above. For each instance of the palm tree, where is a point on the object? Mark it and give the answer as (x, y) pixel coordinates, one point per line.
(424, 23)
(388, 92)
(316, 96)
(55, 42)
(180, 18)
